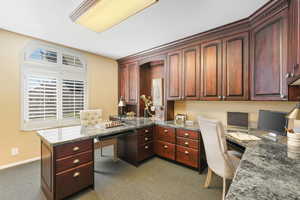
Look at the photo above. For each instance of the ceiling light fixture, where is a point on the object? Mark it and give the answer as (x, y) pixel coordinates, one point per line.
(100, 15)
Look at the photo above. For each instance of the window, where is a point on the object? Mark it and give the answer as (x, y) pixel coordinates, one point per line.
(53, 87)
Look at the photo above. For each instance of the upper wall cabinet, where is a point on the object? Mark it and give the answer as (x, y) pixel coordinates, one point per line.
(174, 76)
(236, 67)
(269, 59)
(294, 35)
(191, 73)
(128, 82)
(183, 74)
(211, 69)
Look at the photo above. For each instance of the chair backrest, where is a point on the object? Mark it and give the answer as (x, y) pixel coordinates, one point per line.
(90, 117)
(213, 136)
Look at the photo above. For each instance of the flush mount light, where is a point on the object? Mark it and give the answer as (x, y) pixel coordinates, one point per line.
(100, 15)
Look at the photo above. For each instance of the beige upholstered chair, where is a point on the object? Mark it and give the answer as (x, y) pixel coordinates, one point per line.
(92, 118)
(220, 161)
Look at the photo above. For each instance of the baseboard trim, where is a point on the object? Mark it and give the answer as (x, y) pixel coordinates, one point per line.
(19, 163)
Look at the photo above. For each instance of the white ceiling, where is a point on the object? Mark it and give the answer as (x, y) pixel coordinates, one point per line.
(164, 22)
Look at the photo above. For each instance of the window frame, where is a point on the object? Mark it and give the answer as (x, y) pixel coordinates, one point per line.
(57, 70)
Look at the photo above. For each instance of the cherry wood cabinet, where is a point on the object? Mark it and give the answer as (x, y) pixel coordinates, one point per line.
(294, 39)
(191, 73)
(235, 65)
(211, 69)
(128, 82)
(269, 58)
(174, 76)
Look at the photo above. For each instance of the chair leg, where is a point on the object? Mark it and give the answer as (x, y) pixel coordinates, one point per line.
(208, 178)
(225, 187)
(115, 152)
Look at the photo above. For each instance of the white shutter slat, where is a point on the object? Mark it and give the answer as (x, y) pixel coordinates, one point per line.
(72, 60)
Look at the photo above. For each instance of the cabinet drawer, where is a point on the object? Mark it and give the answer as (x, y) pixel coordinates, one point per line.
(145, 138)
(146, 131)
(73, 161)
(145, 151)
(74, 180)
(73, 148)
(165, 134)
(187, 134)
(165, 149)
(187, 143)
(187, 156)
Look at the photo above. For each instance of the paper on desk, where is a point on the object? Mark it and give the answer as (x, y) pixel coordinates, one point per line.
(243, 136)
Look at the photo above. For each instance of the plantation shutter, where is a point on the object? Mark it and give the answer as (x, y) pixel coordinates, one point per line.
(41, 98)
(73, 93)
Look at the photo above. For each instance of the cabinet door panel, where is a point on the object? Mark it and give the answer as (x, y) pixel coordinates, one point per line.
(174, 76)
(269, 59)
(191, 73)
(211, 70)
(133, 74)
(123, 73)
(235, 67)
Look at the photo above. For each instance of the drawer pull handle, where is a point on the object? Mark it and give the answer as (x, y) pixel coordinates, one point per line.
(146, 139)
(165, 146)
(186, 135)
(76, 174)
(75, 148)
(146, 147)
(186, 144)
(76, 161)
(165, 130)
(186, 152)
(146, 131)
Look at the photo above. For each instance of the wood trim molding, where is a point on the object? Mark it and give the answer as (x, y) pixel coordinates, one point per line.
(273, 6)
(19, 163)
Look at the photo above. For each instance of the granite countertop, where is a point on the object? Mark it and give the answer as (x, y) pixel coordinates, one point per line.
(58, 136)
(267, 171)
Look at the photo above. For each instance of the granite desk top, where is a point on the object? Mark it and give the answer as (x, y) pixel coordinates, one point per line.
(267, 171)
(58, 136)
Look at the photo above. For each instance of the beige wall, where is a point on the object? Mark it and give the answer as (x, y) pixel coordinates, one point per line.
(217, 110)
(102, 84)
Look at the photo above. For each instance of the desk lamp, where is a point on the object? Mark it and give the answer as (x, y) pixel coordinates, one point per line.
(121, 104)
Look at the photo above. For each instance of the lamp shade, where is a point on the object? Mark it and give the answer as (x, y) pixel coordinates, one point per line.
(122, 103)
(100, 15)
(295, 113)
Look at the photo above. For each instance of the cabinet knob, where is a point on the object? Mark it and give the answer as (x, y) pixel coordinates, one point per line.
(224, 97)
(76, 161)
(186, 135)
(146, 139)
(220, 97)
(165, 130)
(186, 152)
(287, 75)
(146, 131)
(283, 96)
(165, 146)
(146, 147)
(75, 148)
(76, 174)
(186, 144)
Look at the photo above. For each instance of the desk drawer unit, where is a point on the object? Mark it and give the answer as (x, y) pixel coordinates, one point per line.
(165, 149)
(145, 151)
(187, 134)
(165, 134)
(187, 156)
(74, 180)
(73, 148)
(73, 161)
(187, 143)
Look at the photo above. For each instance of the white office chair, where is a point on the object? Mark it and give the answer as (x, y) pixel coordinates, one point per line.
(92, 118)
(220, 161)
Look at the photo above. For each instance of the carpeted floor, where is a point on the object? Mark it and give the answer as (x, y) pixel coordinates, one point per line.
(155, 179)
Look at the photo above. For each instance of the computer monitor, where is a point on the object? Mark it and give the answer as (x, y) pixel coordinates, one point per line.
(272, 121)
(237, 120)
